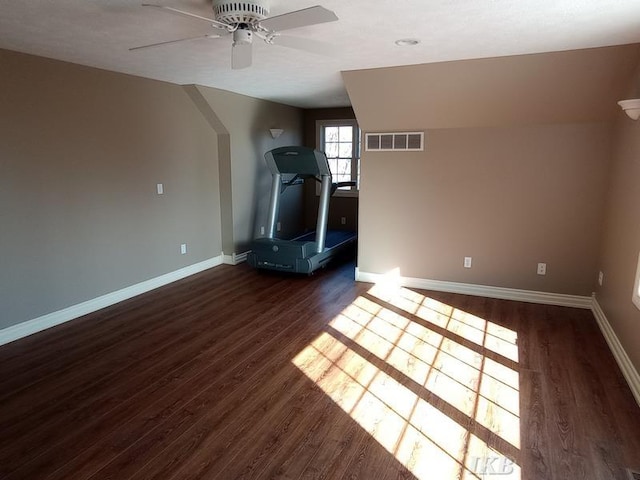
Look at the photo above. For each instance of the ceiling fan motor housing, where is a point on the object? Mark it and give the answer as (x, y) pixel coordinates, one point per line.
(234, 12)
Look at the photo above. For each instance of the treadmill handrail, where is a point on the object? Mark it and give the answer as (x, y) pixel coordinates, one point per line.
(336, 185)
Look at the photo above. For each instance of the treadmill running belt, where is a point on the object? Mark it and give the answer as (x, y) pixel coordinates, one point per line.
(334, 237)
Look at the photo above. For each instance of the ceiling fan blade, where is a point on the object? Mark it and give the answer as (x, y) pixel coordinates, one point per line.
(299, 18)
(240, 56)
(305, 44)
(160, 44)
(211, 21)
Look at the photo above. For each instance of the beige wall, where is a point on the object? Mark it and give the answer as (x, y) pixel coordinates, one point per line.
(509, 197)
(621, 233)
(248, 121)
(81, 152)
(514, 170)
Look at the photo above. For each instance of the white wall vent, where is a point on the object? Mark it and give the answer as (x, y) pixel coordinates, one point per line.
(397, 142)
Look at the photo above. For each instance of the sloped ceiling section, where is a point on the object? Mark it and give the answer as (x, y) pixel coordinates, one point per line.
(572, 86)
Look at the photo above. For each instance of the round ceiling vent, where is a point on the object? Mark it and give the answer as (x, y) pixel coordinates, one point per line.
(233, 12)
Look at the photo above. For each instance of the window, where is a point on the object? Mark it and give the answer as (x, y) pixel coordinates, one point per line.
(636, 288)
(340, 141)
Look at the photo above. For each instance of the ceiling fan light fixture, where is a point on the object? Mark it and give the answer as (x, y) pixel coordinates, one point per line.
(407, 42)
(242, 36)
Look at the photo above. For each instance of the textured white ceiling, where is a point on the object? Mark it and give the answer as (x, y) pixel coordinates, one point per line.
(99, 33)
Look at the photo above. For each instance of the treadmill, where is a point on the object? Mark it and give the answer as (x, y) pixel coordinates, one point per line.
(310, 251)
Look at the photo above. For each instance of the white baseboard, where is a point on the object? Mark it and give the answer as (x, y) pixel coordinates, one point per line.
(630, 373)
(235, 259)
(546, 298)
(49, 320)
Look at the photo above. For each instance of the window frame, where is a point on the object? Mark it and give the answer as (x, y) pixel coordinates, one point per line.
(355, 155)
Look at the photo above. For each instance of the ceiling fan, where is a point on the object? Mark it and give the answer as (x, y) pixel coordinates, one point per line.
(244, 19)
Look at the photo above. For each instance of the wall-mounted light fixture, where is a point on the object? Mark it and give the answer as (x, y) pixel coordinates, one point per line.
(276, 132)
(631, 107)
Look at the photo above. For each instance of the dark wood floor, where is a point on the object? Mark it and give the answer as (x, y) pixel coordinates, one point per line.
(234, 374)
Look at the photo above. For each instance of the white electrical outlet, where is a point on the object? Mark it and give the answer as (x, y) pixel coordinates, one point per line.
(278, 226)
(343, 220)
(160, 188)
(261, 230)
(542, 269)
(183, 248)
(600, 278)
(467, 262)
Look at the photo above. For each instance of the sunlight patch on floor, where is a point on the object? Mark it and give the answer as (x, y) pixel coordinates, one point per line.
(496, 338)
(397, 371)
